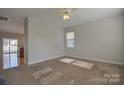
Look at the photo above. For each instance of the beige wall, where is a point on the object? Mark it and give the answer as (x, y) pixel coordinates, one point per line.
(45, 40)
(99, 40)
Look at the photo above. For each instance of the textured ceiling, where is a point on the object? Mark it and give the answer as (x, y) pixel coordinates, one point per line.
(79, 16)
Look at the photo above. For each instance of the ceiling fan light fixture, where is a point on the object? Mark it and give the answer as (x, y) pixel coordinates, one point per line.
(66, 13)
(66, 16)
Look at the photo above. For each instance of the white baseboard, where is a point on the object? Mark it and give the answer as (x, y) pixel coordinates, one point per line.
(99, 60)
(92, 59)
(42, 60)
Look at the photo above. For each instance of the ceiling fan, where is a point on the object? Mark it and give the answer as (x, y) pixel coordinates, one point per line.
(66, 13)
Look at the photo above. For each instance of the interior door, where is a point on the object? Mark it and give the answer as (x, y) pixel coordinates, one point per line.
(10, 53)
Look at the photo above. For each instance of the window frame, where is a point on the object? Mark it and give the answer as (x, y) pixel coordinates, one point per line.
(66, 40)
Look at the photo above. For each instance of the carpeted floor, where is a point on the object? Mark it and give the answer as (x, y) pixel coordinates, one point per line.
(64, 74)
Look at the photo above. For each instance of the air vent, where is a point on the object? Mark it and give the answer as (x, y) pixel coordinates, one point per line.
(4, 18)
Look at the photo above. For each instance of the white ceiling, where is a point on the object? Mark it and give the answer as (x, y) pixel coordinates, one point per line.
(16, 18)
(79, 16)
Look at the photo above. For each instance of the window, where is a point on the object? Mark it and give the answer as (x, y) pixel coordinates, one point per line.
(70, 40)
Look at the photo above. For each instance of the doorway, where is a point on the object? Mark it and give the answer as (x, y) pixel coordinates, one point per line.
(10, 53)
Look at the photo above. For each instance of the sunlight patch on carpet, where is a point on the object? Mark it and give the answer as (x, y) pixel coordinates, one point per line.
(42, 72)
(51, 78)
(67, 60)
(72, 82)
(83, 64)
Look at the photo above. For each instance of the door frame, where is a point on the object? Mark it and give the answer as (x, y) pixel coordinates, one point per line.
(9, 53)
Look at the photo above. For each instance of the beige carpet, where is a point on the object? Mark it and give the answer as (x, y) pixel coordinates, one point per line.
(60, 73)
